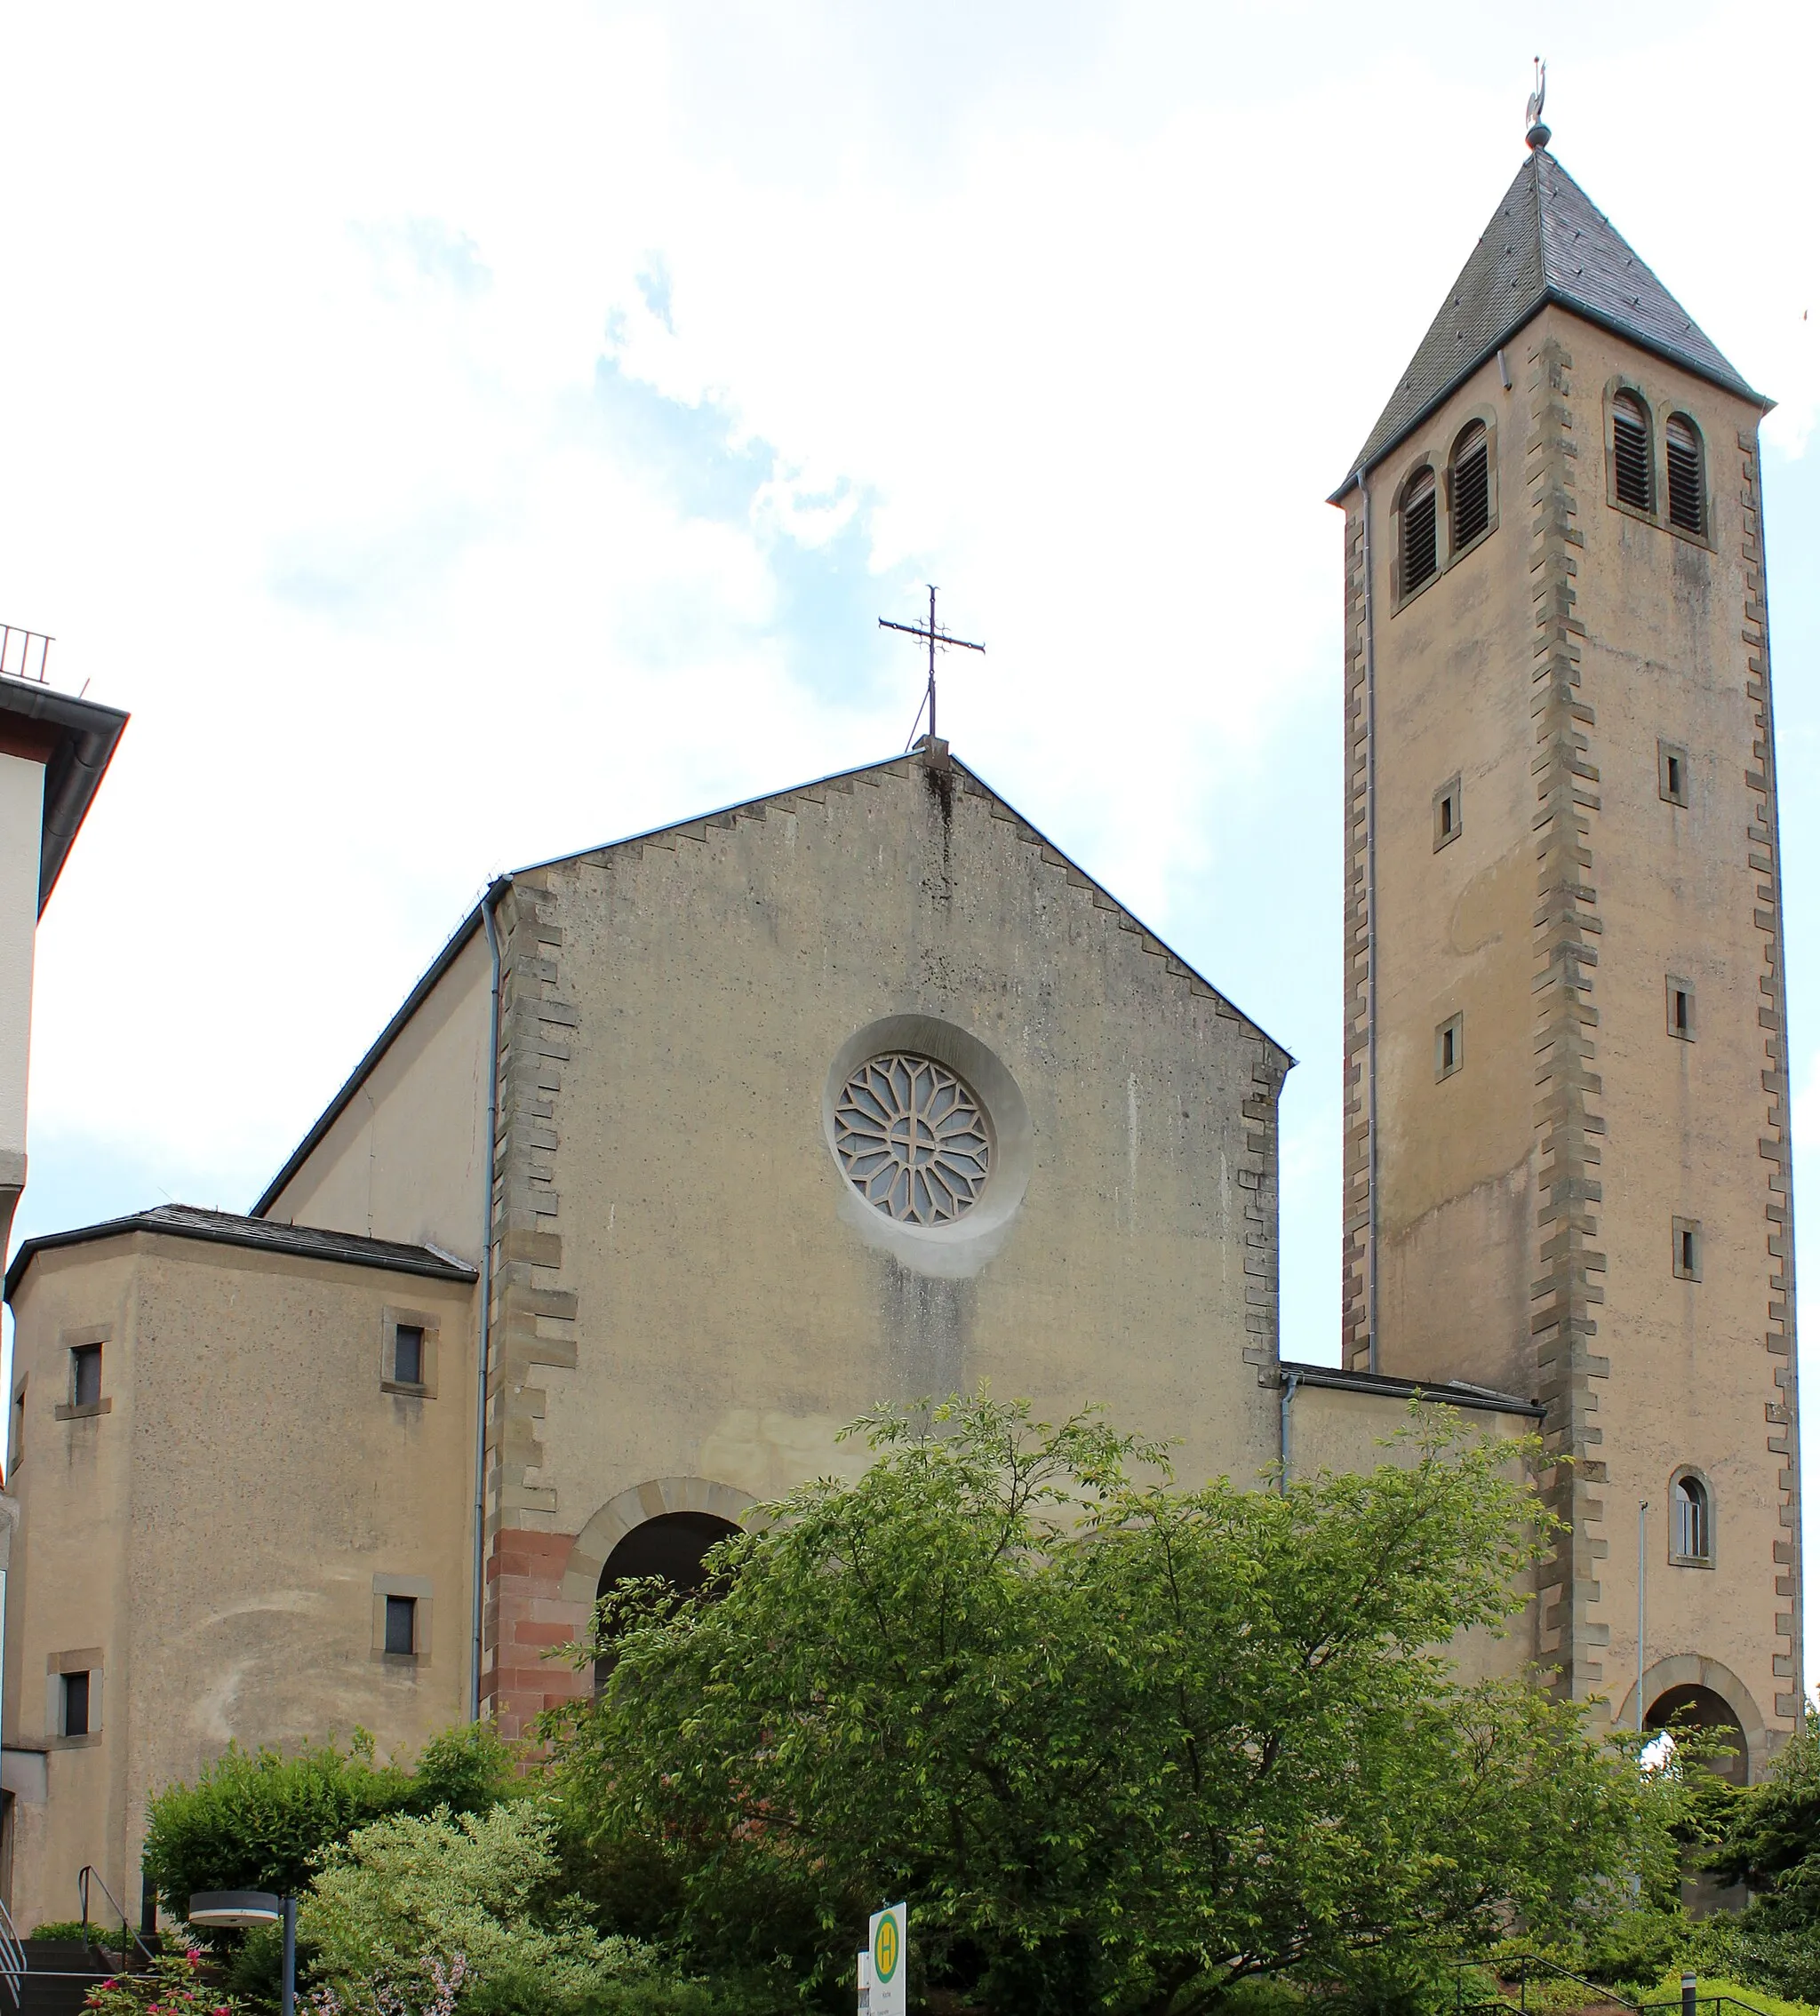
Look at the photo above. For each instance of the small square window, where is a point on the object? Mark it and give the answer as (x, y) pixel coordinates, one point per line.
(1687, 1250)
(1680, 1008)
(85, 1376)
(401, 1626)
(1671, 772)
(407, 1354)
(75, 1704)
(1450, 1047)
(1448, 805)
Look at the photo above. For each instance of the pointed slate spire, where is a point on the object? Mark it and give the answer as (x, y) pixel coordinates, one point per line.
(1546, 243)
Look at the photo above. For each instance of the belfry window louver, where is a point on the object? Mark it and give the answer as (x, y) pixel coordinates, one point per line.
(1685, 504)
(1417, 555)
(1630, 452)
(1472, 485)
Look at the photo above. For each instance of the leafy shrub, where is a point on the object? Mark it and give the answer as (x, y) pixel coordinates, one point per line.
(256, 1821)
(71, 1931)
(1635, 1950)
(408, 1890)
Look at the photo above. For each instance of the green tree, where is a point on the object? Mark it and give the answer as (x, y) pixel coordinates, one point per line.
(1121, 1746)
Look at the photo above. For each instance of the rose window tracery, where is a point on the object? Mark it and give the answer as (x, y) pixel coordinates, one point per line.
(912, 1139)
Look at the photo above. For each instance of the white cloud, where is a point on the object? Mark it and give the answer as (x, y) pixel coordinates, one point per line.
(459, 436)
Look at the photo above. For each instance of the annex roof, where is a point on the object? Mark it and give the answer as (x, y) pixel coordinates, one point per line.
(1546, 242)
(697, 828)
(228, 1228)
(1444, 1392)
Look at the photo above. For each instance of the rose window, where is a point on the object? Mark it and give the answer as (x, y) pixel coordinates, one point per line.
(912, 1139)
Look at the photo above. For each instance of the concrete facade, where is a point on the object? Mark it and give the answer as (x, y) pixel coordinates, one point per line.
(674, 1012)
(1538, 1180)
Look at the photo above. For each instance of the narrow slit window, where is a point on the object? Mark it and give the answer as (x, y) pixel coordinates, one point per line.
(75, 1704)
(1630, 452)
(1450, 1047)
(1418, 556)
(407, 1354)
(1671, 772)
(1680, 1009)
(401, 1626)
(1686, 499)
(1693, 1520)
(1471, 484)
(85, 1376)
(1687, 1250)
(1448, 810)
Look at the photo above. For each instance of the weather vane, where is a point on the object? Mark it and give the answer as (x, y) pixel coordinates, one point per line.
(1538, 135)
(933, 636)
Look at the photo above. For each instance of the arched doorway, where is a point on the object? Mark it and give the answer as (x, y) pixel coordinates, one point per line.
(1706, 1710)
(672, 1548)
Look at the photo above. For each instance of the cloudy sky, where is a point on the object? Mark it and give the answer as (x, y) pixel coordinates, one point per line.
(458, 434)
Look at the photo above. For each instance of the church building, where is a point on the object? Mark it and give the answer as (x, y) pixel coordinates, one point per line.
(687, 1149)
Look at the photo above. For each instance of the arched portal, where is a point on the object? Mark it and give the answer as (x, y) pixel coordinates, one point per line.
(1691, 1704)
(1694, 1678)
(672, 1548)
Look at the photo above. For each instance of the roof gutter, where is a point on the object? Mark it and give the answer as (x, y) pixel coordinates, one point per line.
(82, 737)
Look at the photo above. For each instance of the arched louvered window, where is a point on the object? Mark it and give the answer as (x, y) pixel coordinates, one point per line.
(1687, 498)
(1692, 1511)
(1416, 546)
(1630, 450)
(1471, 484)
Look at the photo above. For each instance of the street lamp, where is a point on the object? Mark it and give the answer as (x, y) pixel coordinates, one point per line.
(254, 1908)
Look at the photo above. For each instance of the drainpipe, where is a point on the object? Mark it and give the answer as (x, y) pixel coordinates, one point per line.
(1642, 1585)
(1291, 1379)
(1371, 945)
(484, 1350)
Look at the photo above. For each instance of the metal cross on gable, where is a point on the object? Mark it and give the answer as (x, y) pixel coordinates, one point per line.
(934, 636)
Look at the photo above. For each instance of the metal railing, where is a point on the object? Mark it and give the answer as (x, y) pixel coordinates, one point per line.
(90, 1872)
(12, 1959)
(1685, 2004)
(1524, 1963)
(16, 652)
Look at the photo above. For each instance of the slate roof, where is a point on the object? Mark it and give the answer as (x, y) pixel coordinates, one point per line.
(228, 1228)
(1546, 243)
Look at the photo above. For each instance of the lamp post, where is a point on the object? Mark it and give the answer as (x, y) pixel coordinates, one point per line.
(254, 1908)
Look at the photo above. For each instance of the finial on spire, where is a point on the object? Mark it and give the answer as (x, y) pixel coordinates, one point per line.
(1538, 135)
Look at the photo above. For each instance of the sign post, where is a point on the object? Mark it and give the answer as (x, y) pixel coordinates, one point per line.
(888, 1948)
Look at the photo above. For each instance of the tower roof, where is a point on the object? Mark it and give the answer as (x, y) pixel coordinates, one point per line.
(1546, 242)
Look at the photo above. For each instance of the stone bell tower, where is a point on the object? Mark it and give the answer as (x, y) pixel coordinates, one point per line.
(1566, 1104)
